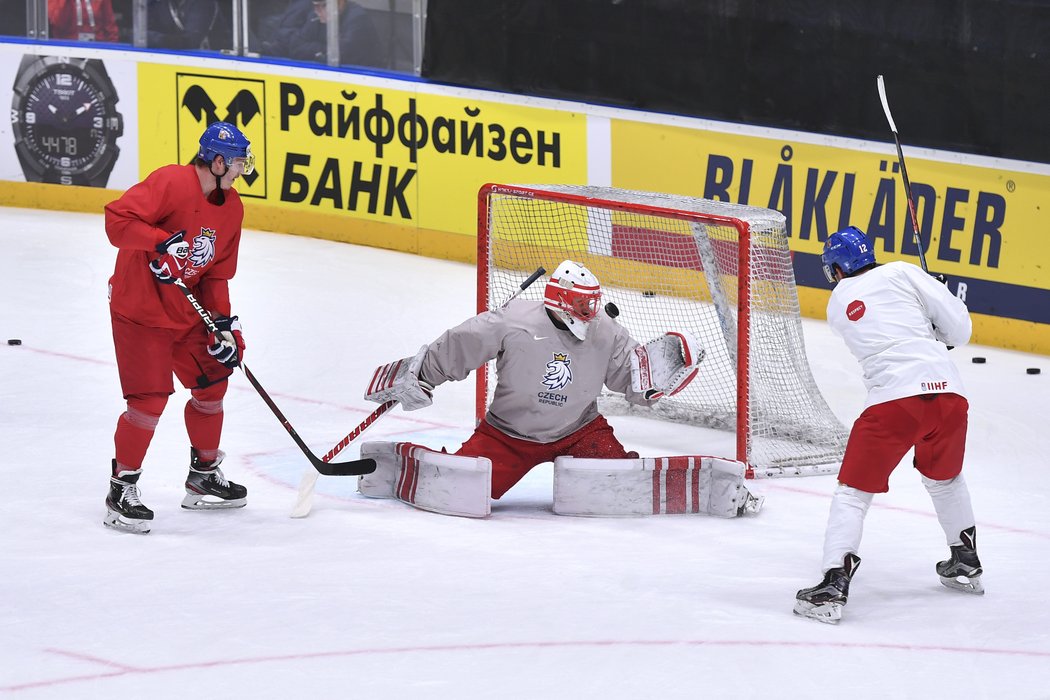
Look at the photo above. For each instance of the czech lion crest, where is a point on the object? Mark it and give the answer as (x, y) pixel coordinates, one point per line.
(558, 373)
(203, 248)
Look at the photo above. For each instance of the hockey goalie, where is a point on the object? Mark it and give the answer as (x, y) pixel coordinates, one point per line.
(552, 359)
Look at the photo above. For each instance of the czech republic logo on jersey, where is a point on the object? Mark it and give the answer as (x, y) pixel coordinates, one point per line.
(558, 374)
(203, 248)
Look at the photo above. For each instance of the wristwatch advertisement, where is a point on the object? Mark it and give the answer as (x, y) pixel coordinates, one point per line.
(64, 120)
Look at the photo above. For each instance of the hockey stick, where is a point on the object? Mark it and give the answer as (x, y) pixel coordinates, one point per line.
(304, 501)
(904, 174)
(351, 468)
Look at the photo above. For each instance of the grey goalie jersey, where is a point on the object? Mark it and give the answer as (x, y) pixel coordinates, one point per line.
(548, 381)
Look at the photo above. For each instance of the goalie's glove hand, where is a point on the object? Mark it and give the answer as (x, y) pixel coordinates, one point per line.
(400, 381)
(666, 365)
(172, 261)
(227, 345)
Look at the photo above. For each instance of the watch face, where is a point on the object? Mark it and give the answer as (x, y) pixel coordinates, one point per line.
(66, 125)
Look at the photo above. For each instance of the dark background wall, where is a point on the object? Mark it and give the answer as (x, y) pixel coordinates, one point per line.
(962, 75)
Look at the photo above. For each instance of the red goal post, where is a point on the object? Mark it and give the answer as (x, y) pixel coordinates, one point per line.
(720, 270)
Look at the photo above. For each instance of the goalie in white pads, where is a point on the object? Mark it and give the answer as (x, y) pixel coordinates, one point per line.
(552, 359)
(897, 321)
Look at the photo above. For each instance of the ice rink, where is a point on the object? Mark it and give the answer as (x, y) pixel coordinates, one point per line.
(374, 599)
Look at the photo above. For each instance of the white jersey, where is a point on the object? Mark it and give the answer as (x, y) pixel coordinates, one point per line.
(897, 321)
(548, 381)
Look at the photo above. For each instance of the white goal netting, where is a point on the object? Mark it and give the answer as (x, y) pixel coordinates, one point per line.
(720, 270)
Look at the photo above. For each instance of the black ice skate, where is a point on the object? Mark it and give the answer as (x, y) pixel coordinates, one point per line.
(124, 508)
(208, 489)
(824, 601)
(963, 570)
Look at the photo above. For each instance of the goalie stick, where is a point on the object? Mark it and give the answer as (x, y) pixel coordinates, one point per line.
(350, 468)
(904, 174)
(304, 500)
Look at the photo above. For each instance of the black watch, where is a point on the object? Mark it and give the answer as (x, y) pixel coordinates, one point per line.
(64, 120)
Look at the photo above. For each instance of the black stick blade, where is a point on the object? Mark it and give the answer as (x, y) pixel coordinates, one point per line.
(357, 467)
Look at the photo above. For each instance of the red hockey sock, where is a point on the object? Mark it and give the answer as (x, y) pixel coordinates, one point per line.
(135, 429)
(204, 420)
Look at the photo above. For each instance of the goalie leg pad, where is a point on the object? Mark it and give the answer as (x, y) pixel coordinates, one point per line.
(380, 483)
(651, 486)
(428, 480)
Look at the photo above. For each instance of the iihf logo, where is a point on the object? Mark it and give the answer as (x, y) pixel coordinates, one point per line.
(558, 375)
(203, 248)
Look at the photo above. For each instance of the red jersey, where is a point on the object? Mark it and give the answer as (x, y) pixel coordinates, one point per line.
(170, 200)
(82, 20)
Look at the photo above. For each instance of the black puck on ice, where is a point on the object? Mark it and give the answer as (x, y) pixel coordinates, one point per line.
(978, 360)
(14, 341)
(611, 309)
(1033, 370)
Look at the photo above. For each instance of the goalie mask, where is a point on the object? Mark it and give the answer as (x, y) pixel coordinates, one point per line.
(574, 295)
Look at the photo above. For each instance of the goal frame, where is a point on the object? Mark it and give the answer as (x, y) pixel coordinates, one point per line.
(743, 436)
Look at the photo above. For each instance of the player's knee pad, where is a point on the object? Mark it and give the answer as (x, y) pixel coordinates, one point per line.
(144, 410)
(429, 480)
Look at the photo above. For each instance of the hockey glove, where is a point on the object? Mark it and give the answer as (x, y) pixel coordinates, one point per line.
(666, 365)
(227, 345)
(399, 381)
(170, 265)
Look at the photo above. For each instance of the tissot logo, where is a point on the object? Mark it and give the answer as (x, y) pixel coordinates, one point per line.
(205, 99)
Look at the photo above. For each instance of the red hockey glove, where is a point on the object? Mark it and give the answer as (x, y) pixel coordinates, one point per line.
(172, 262)
(227, 346)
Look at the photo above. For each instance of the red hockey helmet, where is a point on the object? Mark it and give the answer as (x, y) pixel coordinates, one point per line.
(574, 294)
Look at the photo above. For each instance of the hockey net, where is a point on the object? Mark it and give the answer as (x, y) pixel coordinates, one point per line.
(720, 270)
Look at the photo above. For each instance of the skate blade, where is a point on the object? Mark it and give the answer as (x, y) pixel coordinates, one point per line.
(197, 501)
(118, 522)
(964, 584)
(828, 613)
(752, 505)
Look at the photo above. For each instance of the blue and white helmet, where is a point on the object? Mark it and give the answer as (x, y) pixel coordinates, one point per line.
(849, 249)
(226, 140)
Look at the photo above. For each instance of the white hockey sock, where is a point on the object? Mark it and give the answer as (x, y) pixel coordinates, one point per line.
(951, 500)
(845, 524)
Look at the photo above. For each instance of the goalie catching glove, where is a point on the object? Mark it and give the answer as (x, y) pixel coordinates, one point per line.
(399, 381)
(666, 365)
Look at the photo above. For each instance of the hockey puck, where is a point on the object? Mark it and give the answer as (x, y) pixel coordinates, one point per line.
(648, 293)
(978, 360)
(14, 341)
(1033, 370)
(611, 309)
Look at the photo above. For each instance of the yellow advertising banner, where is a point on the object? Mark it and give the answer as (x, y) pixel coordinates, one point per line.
(374, 165)
(982, 227)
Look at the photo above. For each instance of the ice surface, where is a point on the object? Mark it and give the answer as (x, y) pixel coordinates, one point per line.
(373, 599)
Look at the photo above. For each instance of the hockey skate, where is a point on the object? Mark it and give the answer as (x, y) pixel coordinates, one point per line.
(124, 508)
(962, 571)
(208, 489)
(824, 602)
(751, 503)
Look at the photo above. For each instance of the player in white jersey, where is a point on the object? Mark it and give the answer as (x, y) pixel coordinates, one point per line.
(899, 322)
(552, 360)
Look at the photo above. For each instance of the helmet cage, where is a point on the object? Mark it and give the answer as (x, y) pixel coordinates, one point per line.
(573, 292)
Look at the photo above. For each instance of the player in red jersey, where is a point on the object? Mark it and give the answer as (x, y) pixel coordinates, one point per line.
(181, 222)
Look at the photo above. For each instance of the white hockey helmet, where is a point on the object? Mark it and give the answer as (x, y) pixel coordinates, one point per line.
(574, 295)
